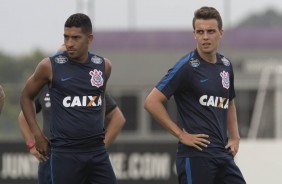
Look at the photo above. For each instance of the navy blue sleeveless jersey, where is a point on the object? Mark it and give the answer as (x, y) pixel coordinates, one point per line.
(202, 92)
(43, 103)
(77, 107)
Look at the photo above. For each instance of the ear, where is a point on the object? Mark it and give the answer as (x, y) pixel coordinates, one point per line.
(90, 38)
(194, 34)
(221, 33)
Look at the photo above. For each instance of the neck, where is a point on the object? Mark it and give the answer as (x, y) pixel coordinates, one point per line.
(81, 59)
(209, 57)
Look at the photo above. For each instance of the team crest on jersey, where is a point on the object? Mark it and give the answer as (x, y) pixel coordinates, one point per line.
(96, 60)
(194, 62)
(225, 61)
(225, 79)
(96, 78)
(61, 59)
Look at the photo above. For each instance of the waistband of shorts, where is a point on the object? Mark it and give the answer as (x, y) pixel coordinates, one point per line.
(78, 149)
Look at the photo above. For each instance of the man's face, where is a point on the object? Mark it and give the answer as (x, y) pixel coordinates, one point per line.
(76, 42)
(207, 35)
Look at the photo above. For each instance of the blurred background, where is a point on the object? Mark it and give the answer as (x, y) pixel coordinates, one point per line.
(143, 39)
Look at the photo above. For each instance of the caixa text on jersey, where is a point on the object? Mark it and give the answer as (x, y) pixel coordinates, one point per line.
(214, 101)
(82, 101)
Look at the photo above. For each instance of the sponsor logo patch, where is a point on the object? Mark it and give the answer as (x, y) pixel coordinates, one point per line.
(194, 62)
(214, 101)
(61, 59)
(82, 101)
(225, 61)
(96, 60)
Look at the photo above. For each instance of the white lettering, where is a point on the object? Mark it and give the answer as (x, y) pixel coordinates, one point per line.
(210, 101)
(66, 101)
(203, 100)
(149, 166)
(99, 101)
(136, 166)
(82, 101)
(18, 166)
(76, 102)
(159, 166)
(118, 161)
(214, 101)
(226, 105)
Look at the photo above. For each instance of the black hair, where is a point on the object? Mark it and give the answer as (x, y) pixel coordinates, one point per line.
(80, 20)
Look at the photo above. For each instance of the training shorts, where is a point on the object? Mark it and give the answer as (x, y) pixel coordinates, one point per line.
(201, 170)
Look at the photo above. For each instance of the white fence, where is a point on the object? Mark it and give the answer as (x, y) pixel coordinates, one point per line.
(261, 161)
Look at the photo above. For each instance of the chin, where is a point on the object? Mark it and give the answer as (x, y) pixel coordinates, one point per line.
(72, 54)
(207, 50)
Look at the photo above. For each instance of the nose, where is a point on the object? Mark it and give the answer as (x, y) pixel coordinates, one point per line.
(69, 43)
(205, 35)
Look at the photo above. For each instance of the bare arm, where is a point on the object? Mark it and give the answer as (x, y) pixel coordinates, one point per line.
(154, 105)
(28, 137)
(108, 69)
(234, 137)
(108, 66)
(116, 122)
(2, 97)
(115, 117)
(34, 84)
(25, 130)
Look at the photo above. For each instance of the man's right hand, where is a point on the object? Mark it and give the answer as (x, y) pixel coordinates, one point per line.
(42, 146)
(37, 155)
(194, 140)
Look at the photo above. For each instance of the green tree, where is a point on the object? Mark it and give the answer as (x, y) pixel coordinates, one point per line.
(14, 71)
(269, 18)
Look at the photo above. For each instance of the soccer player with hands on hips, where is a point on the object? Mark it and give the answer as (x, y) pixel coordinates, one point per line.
(77, 82)
(202, 84)
(42, 102)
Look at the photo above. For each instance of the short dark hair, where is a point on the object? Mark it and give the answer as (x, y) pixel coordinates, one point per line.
(207, 13)
(80, 20)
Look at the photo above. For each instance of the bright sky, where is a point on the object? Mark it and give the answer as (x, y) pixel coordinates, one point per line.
(27, 25)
